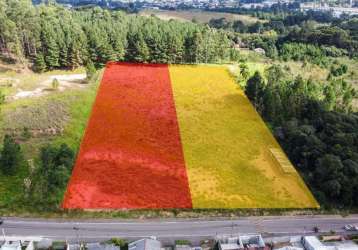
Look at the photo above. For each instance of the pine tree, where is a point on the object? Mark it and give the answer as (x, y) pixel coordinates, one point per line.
(10, 156)
(90, 70)
(52, 54)
(137, 48)
(254, 90)
(40, 64)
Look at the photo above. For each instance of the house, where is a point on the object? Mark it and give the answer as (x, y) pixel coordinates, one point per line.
(11, 245)
(100, 246)
(183, 247)
(312, 243)
(252, 241)
(229, 243)
(289, 248)
(145, 244)
(240, 242)
(285, 243)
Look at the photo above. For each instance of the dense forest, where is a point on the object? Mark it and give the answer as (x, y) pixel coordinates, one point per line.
(51, 36)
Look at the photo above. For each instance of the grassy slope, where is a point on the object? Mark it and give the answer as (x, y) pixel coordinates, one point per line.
(200, 16)
(77, 105)
(226, 145)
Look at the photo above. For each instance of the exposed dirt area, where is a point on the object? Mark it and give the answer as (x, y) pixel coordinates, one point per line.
(72, 81)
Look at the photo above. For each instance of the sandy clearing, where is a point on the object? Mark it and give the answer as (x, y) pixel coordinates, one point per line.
(65, 82)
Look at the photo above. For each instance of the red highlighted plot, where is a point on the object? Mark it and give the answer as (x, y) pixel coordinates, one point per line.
(131, 155)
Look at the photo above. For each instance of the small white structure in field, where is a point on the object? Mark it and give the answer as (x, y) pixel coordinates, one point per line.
(260, 51)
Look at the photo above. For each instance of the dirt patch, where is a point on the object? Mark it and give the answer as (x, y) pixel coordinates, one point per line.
(73, 81)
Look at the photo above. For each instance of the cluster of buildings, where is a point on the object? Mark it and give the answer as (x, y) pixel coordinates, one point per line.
(154, 4)
(348, 9)
(220, 242)
(196, 4)
(256, 242)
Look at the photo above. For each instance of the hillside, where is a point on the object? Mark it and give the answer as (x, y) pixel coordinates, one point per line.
(199, 16)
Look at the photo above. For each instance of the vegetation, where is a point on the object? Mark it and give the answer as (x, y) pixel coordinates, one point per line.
(198, 16)
(41, 125)
(227, 146)
(317, 128)
(123, 244)
(55, 84)
(49, 179)
(54, 37)
(10, 157)
(304, 87)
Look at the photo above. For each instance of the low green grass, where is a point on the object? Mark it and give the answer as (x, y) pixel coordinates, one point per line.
(79, 110)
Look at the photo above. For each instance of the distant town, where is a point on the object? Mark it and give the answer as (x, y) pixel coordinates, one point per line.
(349, 7)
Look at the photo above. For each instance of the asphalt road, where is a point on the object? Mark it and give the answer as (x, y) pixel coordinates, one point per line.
(168, 230)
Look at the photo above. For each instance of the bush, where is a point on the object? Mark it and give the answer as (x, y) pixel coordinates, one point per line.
(26, 134)
(182, 242)
(55, 84)
(118, 242)
(90, 70)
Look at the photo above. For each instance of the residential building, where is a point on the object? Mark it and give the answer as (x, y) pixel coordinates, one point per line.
(145, 244)
(11, 245)
(240, 242)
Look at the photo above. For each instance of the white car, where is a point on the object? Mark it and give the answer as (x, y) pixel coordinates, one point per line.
(350, 227)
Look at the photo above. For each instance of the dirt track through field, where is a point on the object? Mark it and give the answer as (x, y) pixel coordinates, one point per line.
(131, 154)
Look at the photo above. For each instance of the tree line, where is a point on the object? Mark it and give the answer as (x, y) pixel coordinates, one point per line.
(317, 128)
(297, 36)
(51, 36)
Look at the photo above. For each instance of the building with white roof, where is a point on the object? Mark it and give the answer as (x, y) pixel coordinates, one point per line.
(11, 245)
(145, 244)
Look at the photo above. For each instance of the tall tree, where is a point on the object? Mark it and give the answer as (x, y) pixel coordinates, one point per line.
(11, 156)
(254, 90)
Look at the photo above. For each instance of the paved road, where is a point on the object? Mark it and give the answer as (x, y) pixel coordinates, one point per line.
(168, 230)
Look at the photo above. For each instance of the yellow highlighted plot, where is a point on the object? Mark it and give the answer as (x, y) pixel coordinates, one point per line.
(232, 159)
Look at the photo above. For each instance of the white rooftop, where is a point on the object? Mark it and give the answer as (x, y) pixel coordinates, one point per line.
(11, 245)
(229, 246)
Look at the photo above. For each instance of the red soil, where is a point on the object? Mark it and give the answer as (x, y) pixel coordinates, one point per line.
(131, 155)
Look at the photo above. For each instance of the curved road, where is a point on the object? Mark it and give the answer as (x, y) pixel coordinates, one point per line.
(167, 230)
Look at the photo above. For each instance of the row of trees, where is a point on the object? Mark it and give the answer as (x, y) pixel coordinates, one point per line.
(298, 36)
(315, 125)
(52, 37)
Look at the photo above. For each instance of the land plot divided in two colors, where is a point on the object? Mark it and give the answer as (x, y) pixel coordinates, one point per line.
(163, 136)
